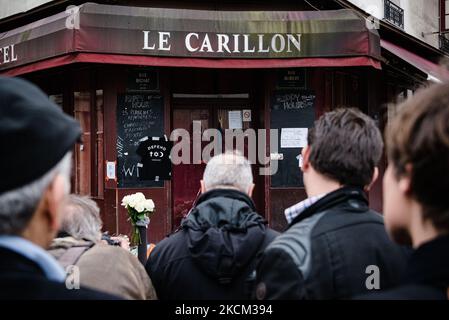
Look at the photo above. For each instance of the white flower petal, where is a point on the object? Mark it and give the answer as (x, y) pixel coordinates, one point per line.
(139, 207)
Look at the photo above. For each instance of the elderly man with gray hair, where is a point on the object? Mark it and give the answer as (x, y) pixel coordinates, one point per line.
(36, 139)
(213, 255)
(104, 267)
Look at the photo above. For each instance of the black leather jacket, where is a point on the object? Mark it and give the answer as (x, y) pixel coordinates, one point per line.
(327, 251)
(426, 277)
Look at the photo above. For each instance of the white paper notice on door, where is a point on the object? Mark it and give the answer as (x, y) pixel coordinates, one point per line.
(294, 137)
(235, 119)
(110, 170)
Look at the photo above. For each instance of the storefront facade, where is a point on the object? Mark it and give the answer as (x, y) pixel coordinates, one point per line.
(130, 72)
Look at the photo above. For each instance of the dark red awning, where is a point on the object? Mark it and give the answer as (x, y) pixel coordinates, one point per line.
(193, 62)
(191, 38)
(434, 71)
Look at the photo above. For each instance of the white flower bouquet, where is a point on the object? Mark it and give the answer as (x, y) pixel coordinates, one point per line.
(140, 211)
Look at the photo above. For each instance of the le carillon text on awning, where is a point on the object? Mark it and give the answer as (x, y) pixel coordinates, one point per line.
(190, 38)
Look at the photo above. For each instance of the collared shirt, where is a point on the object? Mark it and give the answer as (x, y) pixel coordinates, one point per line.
(292, 212)
(50, 267)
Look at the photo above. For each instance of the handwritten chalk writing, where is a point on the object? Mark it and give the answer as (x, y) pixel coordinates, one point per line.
(295, 101)
(138, 115)
(129, 171)
(119, 147)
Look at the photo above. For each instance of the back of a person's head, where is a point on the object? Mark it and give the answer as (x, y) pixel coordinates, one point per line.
(418, 147)
(345, 146)
(81, 218)
(228, 170)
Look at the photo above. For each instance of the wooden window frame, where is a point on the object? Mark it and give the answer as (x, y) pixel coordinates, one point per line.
(443, 16)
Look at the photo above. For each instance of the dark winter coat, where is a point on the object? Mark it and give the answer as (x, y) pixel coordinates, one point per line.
(23, 279)
(327, 251)
(427, 274)
(214, 254)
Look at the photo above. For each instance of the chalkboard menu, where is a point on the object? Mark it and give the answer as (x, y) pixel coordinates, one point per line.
(138, 116)
(292, 113)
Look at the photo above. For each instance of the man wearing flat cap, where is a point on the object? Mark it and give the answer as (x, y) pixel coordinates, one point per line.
(36, 139)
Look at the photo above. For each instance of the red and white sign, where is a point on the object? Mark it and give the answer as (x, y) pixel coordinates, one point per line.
(246, 114)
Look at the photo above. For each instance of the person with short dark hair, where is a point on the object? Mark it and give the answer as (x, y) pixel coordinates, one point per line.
(416, 189)
(334, 241)
(36, 139)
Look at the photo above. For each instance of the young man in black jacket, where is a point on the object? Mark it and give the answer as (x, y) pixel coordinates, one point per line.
(335, 246)
(214, 254)
(416, 187)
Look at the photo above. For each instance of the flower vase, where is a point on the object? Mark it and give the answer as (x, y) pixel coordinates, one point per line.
(142, 246)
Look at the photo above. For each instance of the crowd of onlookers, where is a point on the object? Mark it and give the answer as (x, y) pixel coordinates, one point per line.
(335, 247)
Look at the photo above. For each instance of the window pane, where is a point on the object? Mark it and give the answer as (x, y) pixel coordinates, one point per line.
(346, 91)
(83, 150)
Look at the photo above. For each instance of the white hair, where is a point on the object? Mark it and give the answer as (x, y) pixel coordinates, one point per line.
(228, 170)
(18, 206)
(81, 218)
